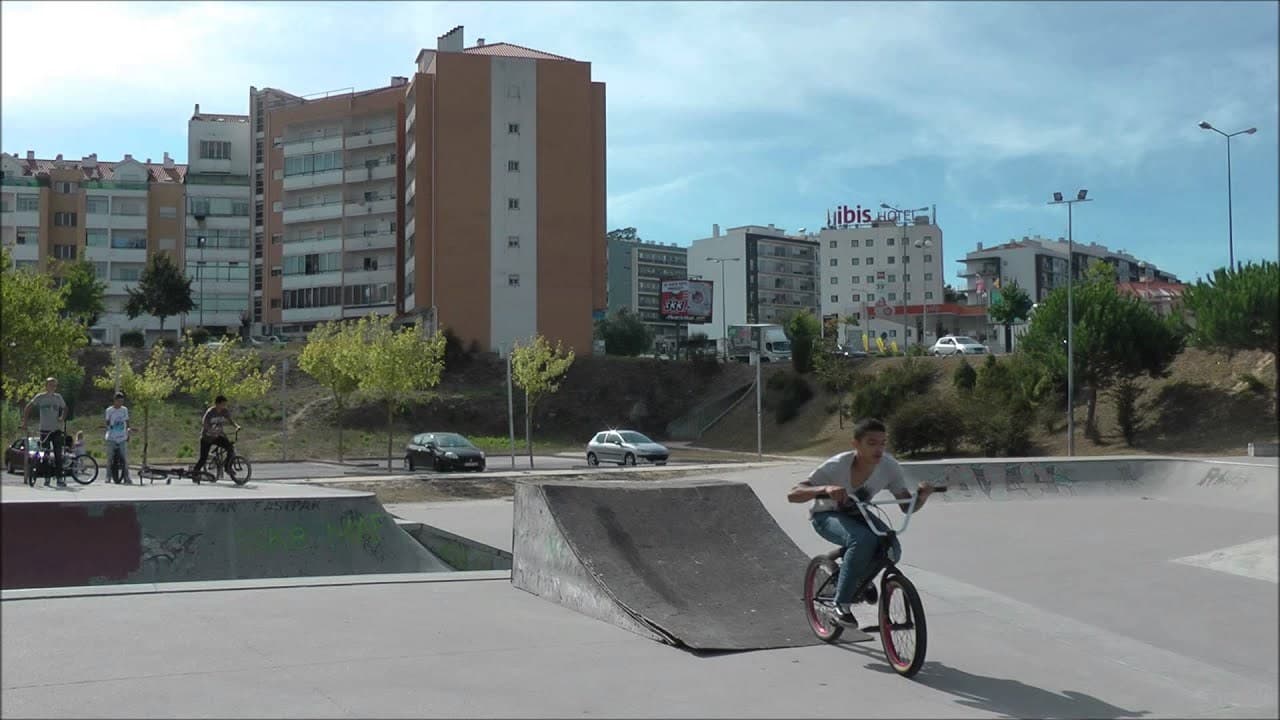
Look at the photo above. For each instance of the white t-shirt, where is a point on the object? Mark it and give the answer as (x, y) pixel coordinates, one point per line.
(117, 423)
(835, 471)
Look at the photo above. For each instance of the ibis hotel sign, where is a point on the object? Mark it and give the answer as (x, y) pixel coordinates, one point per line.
(858, 215)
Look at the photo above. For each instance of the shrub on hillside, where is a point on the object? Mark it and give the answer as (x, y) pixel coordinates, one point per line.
(880, 396)
(998, 433)
(198, 335)
(795, 393)
(964, 377)
(1126, 394)
(132, 339)
(922, 423)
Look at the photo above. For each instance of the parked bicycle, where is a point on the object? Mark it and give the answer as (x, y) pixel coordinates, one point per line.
(902, 627)
(153, 473)
(41, 464)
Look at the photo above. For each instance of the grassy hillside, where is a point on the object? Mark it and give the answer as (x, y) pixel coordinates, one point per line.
(1202, 408)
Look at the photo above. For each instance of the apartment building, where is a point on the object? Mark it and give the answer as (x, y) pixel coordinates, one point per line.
(885, 271)
(113, 214)
(218, 246)
(1039, 265)
(504, 193)
(326, 217)
(636, 269)
(761, 274)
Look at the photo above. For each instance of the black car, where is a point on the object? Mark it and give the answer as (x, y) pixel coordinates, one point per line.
(443, 451)
(13, 454)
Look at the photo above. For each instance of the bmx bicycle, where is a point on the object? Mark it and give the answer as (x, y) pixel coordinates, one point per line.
(40, 464)
(115, 467)
(167, 474)
(902, 629)
(241, 470)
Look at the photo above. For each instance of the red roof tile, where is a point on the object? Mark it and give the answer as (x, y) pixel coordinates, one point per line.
(104, 170)
(503, 49)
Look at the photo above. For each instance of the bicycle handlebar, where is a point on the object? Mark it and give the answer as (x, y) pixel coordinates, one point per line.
(862, 506)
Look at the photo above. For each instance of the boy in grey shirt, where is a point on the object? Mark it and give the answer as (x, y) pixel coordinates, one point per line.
(52, 411)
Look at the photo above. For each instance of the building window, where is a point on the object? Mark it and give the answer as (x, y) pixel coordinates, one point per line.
(513, 166)
(894, 278)
(871, 242)
(871, 297)
(833, 244)
(928, 295)
(28, 203)
(513, 280)
(893, 259)
(513, 203)
(215, 150)
(857, 297)
(835, 298)
(853, 261)
(928, 276)
(257, 151)
(168, 212)
(275, 271)
(905, 259)
(275, 302)
(64, 219)
(96, 237)
(513, 91)
(893, 296)
(853, 243)
(64, 252)
(93, 205)
(870, 279)
(513, 241)
(513, 128)
(928, 238)
(889, 242)
(835, 262)
(871, 260)
(66, 188)
(906, 277)
(834, 279)
(928, 258)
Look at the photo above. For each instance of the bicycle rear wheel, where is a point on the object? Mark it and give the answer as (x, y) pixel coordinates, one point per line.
(903, 631)
(820, 598)
(84, 469)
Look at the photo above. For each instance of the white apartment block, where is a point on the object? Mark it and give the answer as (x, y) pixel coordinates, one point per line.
(219, 247)
(765, 276)
(1039, 265)
(886, 274)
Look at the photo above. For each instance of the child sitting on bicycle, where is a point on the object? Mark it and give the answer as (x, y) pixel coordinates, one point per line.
(118, 430)
(77, 448)
(213, 432)
(863, 471)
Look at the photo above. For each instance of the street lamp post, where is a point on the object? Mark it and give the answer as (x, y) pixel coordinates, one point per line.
(924, 244)
(200, 276)
(1071, 368)
(905, 242)
(724, 301)
(1231, 248)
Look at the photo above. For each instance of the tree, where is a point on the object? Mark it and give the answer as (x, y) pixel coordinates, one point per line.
(833, 371)
(391, 365)
(850, 322)
(1115, 337)
(207, 371)
(163, 291)
(950, 295)
(803, 330)
(628, 234)
(35, 340)
(321, 359)
(1236, 310)
(624, 333)
(83, 292)
(537, 369)
(142, 390)
(1009, 304)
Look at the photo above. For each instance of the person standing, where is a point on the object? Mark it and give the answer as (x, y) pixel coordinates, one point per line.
(52, 410)
(118, 431)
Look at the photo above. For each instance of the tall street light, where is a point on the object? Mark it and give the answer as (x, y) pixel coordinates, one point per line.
(1071, 367)
(724, 299)
(905, 241)
(925, 244)
(1231, 248)
(200, 275)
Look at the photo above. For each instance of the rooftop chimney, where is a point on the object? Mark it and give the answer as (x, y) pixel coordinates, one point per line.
(148, 161)
(59, 157)
(480, 42)
(715, 230)
(398, 80)
(127, 157)
(979, 246)
(168, 161)
(197, 110)
(90, 160)
(31, 154)
(450, 41)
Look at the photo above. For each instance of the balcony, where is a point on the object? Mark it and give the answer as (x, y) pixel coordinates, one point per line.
(324, 279)
(371, 207)
(311, 180)
(371, 138)
(369, 277)
(128, 222)
(312, 246)
(26, 251)
(312, 213)
(22, 218)
(411, 223)
(314, 314)
(310, 147)
(118, 287)
(365, 174)
(215, 166)
(376, 241)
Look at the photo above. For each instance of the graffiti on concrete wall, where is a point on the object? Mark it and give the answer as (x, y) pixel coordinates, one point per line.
(175, 552)
(1224, 476)
(1023, 480)
(352, 529)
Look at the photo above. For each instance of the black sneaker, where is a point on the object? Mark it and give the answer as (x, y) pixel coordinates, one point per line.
(843, 616)
(869, 596)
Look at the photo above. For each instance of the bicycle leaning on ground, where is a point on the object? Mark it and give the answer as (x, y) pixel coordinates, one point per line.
(904, 633)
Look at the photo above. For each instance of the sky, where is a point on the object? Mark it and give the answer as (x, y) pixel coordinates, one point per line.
(755, 113)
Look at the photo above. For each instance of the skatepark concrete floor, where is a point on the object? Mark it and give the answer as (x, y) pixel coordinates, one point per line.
(1116, 607)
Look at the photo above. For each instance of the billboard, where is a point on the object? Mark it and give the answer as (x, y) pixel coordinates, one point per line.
(686, 300)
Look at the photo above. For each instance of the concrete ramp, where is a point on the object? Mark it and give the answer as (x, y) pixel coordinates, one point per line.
(701, 565)
(106, 535)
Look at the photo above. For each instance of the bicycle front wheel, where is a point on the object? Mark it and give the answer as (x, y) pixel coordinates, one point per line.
(84, 469)
(820, 598)
(241, 470)
(903, 632)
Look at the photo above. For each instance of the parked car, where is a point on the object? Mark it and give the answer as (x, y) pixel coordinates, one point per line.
(443, 451)
(848, 351)
(624, 447)
(274, 341)
(958, 345)
(13, 453)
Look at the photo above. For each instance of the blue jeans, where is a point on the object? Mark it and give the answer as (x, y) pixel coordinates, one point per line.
(859, 542)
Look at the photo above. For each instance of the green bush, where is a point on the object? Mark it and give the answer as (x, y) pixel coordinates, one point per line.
(133, 339)
(922, 423)
(965, 377)
(776, 381)
(168, 342)
(996, 432)
(795, 393)
(70, 387)
(916, 351)
(198, 335)
(1126, 394)
(879, 397)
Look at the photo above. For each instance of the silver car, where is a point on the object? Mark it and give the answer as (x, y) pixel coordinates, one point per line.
(958, 345)
(624, 447)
